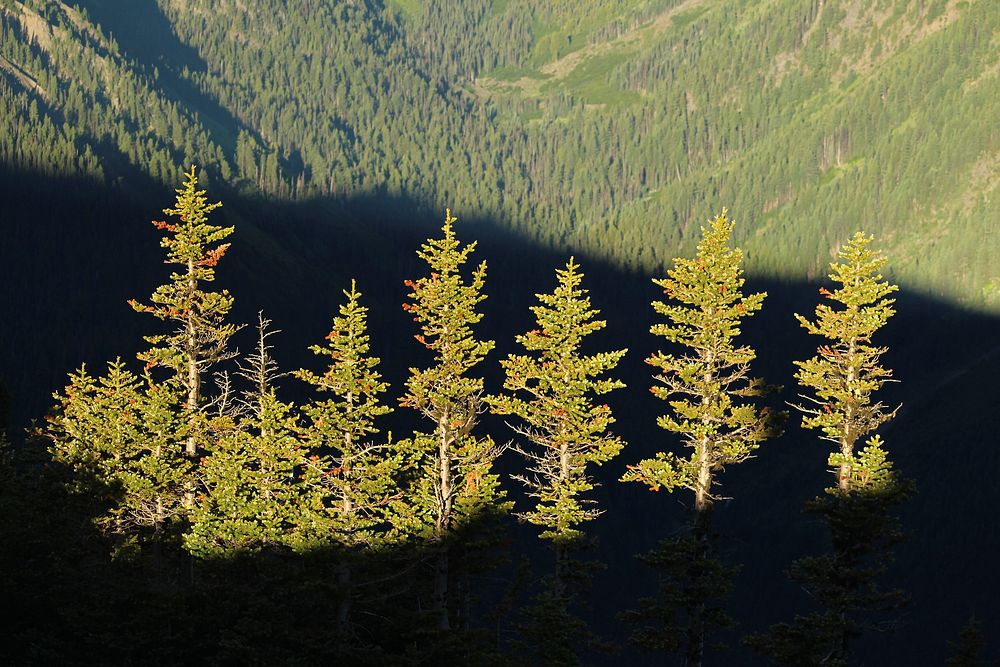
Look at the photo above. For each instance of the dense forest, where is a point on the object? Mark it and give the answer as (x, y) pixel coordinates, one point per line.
(606, 130)
(454, 481)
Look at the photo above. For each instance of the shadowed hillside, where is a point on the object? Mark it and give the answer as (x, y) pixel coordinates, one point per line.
(66, 304)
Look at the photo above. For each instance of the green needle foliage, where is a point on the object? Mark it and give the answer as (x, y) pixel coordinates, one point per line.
(705, 384)
(249, 498)
(552, 391)
(351, 482)
(843, 585)
(201, 334)
(706, 387)
(456, 481)
(844, 374)
(846, 371)
(552, 394)
(548, 146)
(355, 479)
(122, 437)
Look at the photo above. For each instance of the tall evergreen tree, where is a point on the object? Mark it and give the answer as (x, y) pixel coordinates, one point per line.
(846, 371)
(201, 334)
(456, 483)
(351, 482)
(843, 585)
(705, 383)
(706, 387)
(844, 374)
(551, 393)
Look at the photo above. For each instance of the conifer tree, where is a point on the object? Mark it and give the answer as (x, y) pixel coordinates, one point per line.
(705, 383)
(201, 333)
(121, 435)
(687, 605)
(844, 374)
(456, 482)
(706, 387)
(968, 650)
(249, 499)
(846, 371)
(350, 480)
(843, 585)
(551, 393)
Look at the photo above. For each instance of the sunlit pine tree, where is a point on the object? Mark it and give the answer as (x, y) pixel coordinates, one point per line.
(122, 437)
(201, 333)
(846, 370)
(456, 483)
(248, 496)
(707, 388)
(551, 392)
(350, 478)
(843, 585)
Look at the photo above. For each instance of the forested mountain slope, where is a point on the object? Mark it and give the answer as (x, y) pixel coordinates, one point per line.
(606, 126)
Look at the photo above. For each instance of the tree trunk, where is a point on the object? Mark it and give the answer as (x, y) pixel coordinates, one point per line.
(560, 577)
(157, 538)
(441, 590)
(703, 492)
(193, 390)
(441, 528)
(846, 472)
(344, 580)
(346, 594)
(463, 590)
(561, 548)
(703, 509)
(702, 519)
(193, 377)
(696, 630)
(193, 399)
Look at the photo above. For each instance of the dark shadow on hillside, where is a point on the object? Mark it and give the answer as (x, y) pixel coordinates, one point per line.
(72, 261)
(146, 36)
(142, 32)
